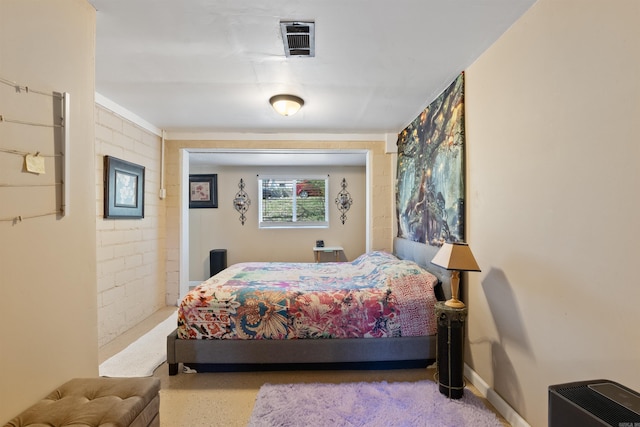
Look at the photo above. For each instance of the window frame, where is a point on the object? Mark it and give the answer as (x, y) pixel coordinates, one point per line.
(295, 178)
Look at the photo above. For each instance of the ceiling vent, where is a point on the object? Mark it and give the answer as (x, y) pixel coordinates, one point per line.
(299, 38)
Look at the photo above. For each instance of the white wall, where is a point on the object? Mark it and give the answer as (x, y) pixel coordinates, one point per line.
(131, 253)
(48, 263)
(221, 228)
(553, 151)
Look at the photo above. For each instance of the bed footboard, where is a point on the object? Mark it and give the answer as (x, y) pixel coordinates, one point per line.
(309, 351)
(172, 360)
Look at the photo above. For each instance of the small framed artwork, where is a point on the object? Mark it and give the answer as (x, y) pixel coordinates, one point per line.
(203, 191)
(123, 189)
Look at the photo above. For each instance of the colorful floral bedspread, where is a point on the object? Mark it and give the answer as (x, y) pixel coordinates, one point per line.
(376, 295)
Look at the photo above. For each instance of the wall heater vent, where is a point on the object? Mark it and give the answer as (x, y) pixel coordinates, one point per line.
(299, 38)
(595, 403)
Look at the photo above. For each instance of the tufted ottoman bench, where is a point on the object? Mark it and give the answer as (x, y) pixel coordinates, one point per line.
(112, 402)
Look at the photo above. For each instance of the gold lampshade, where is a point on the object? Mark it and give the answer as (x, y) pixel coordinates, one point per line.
(455, 257)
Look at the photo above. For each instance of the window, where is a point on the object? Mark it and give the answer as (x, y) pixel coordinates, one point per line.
(293, 202)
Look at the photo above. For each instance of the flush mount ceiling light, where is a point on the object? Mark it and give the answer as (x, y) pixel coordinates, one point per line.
(287, 105)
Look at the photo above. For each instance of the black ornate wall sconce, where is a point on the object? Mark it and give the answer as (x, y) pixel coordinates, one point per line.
(344, 201)
(241, 202)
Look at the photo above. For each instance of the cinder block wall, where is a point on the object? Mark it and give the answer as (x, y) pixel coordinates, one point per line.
(131, 253)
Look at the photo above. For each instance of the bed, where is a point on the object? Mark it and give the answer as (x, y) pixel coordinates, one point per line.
(377, 309)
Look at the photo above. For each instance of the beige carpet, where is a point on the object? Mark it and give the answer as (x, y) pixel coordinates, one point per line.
(209, 399)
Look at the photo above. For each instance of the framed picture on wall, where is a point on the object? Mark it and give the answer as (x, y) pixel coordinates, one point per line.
(123, 189)
(203, 191)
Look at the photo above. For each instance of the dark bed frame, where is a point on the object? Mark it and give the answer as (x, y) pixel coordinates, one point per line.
(223, 355)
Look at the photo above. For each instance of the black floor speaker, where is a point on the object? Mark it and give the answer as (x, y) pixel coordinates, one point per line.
(217, 261)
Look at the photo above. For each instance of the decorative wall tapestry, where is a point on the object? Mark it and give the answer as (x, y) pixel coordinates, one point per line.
(430, 180)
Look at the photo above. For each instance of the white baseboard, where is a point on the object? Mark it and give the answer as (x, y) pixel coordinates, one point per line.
(494, 398)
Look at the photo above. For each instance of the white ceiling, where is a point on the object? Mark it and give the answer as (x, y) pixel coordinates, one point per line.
(200, 66)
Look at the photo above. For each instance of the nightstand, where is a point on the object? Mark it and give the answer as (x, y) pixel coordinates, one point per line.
(317, 250)
(450, 350)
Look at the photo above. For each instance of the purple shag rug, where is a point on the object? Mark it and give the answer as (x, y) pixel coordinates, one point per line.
(367, 404)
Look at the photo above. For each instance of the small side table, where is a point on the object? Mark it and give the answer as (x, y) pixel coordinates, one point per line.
(335, 249)
(450, 350)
